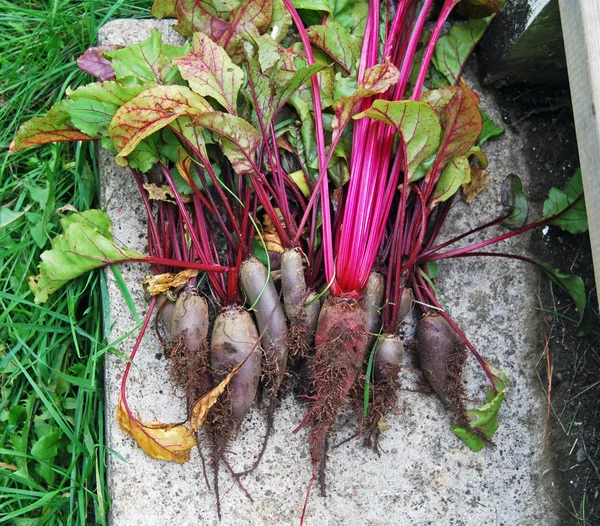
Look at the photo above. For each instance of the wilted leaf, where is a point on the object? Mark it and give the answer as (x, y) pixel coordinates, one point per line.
(163, 193)
(170, 442)
(514, 202)
(483, 420)
(86, 244)
(337, 42)
(160, 283)
(456, 173)
(200, 410)
(150, 111)
(479, 180)
(55, 126)
(418, 124)
(573, 220)
(95, 64)
(453, 50)
(211, 73)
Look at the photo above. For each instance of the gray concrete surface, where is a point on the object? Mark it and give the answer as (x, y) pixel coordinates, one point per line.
(425, 476)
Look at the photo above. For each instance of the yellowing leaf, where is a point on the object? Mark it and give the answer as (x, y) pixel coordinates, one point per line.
(170, 442)
(160, 283)
(479, 180)
(163, 193)
(150, 111)
(200, 411)
(55, 126)
(300, 180)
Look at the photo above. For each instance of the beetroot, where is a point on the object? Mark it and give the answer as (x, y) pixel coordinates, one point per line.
(261, 291)
(341, 343)
(234, 337)
(442, 355)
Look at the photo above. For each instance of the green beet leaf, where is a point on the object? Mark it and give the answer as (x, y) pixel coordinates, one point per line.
(148, 61)
(92, 107)
(456, 173)
(453, 50)
(55, 126)
(338, 43)
(211, 73)
(514, 202)
(490, 129)
(571, 284)
(86, 244)
(568, 205)
(418, 124)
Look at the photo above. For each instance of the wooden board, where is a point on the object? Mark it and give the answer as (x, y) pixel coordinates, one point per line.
(581, 32)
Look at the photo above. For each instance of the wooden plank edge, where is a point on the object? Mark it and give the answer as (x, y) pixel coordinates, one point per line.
(581, 34)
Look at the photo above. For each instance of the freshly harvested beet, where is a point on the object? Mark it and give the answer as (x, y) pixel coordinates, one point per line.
(234, 337)
(190, 320)
(388, 357)
(165, 309)
(341, 344)
(406, 303)
(303, 320)
(269, 317)
(442, 355)
(373, 300)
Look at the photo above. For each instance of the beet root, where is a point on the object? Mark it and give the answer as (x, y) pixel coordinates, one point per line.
(383, 392)
(406, 304)
(165, 309)
(341, 343)
(388, 358)
(442, 355)
(190, 320)
(261, 291)
(373, 300)
(303, 320)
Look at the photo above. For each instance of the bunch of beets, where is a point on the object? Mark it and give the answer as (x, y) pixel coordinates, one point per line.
(320, 143)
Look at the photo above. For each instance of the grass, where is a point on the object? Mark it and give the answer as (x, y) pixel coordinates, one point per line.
(52, 453)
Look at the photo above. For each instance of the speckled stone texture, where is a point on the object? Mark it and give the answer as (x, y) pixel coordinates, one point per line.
(425, 475)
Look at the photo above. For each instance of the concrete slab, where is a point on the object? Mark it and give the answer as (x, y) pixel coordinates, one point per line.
(426, 475)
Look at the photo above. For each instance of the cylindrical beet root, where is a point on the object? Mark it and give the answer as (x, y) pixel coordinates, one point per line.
(442, 355)
(293, 284)
(190, 320)
(388, 357)
(341, 344)
(303, 320)
(269, 317)
(373, 300)
(234, 337)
